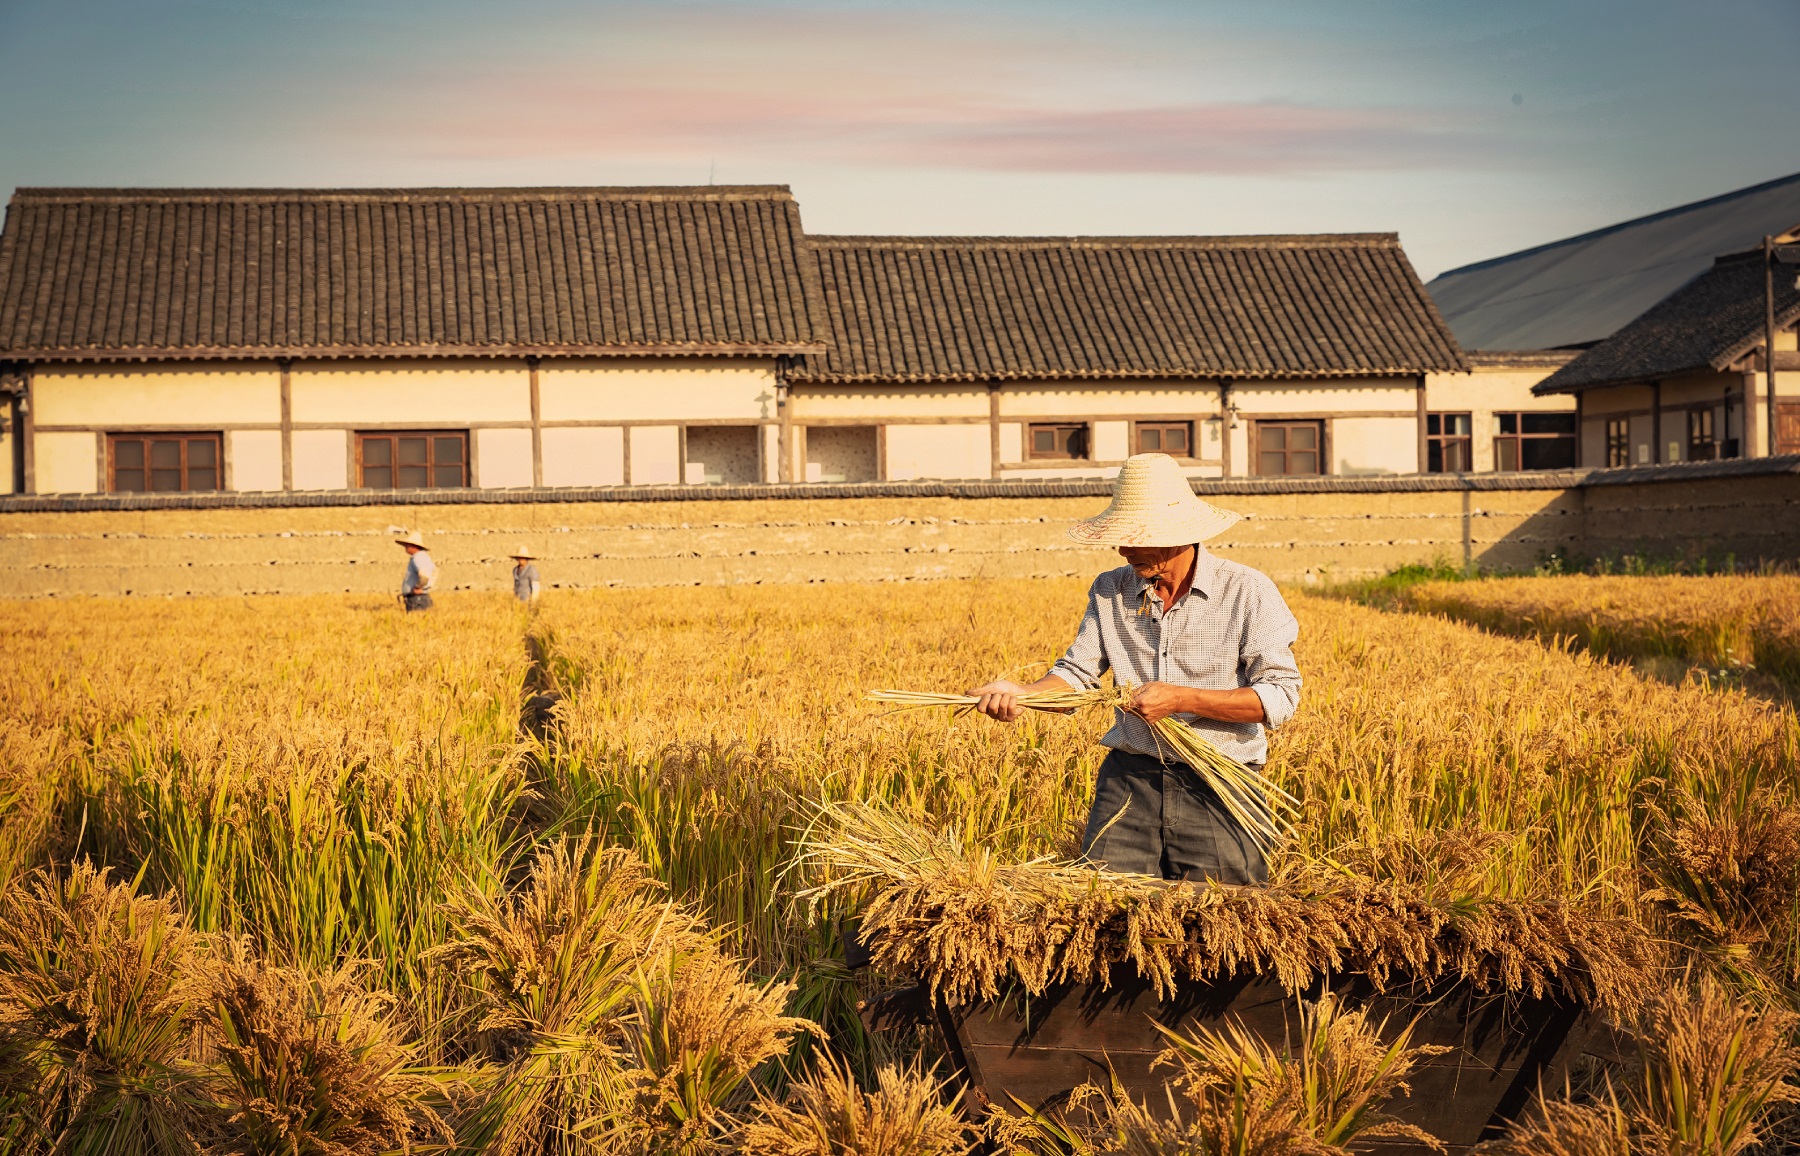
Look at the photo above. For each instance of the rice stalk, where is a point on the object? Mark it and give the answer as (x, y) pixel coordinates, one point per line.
(907, 1113)
(1254, 802)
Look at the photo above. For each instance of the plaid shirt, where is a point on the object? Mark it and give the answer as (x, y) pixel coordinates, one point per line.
(1230, 629)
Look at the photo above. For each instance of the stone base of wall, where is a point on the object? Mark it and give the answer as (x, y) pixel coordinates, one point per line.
(1319, 530)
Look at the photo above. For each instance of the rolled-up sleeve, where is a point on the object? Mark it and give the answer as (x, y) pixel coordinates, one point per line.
(1267, 654)
(1085, 661)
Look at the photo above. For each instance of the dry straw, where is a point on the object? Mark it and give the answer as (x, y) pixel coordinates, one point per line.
(1255, 803)
(971, 926)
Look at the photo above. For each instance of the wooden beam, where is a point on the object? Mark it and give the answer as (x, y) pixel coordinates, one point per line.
(1424, 446)
(1769, 331)
(1656, 430)
(287, 423)
(537, 425)
(993, 430)
(28, 435)
(1580, 431)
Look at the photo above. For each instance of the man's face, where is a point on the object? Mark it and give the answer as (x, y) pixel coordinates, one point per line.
(1156, 562)
(410, 550)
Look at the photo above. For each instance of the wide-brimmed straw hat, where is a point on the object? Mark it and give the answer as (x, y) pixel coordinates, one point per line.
(1153, 505)
(521, 551)
(411, 538)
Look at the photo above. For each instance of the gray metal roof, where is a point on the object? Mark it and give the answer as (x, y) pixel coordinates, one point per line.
(1581, 290)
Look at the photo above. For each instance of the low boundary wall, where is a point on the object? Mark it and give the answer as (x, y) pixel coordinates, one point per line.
(1297, 530)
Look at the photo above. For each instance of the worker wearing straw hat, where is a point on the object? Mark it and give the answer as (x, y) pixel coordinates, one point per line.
(421, 572)
(524, 575)
(1205, 640)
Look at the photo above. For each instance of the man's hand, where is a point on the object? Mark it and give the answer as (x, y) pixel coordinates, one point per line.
(1159, 700)
(999, 699)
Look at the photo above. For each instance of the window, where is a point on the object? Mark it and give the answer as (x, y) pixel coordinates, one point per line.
(1787, 427)
(1701, 445)
(1618, 442)
(1449, 443)
(1536, 441)
(1063, 440)
(164, 462)
(1289, 447)
(412, 461)
(1175, 438)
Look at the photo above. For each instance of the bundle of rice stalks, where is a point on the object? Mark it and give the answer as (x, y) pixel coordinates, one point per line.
(1728, 873)
(604, 1039)
(700, 1029)
(1711, 1068)
(971, 926)
(1253, 801)
(100, 997)
(310, 1065)
(1233, 1093)
(827, 1114)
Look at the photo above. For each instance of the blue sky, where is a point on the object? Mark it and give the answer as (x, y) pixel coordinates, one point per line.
(1470, 128)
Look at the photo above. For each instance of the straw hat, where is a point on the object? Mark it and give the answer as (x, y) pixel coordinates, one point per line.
(522, 551)
(1153, 505)
(410, 538)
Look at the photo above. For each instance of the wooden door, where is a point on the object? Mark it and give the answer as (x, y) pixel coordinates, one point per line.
(1787, 427)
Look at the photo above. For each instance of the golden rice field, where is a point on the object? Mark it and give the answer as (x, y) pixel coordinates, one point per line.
(335, 897)
(1726, 624)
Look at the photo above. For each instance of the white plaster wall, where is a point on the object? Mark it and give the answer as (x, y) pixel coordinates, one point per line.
(9, 441)
(1125, 399)
(181, 397)
(1012, 441)
(584, 456)
(67, 463)
(321, 459)
(1374, 445)
(655, 454)
(937, 451)
(255, 457)
(1241, 465)
(443, 392)
(1329, 396)
(1209, 434)
(1112, 441)
(670, 389)
(503, 457)
(815, 403)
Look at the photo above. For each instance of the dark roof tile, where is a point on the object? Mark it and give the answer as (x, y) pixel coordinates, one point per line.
(972, 308)
(92, 273)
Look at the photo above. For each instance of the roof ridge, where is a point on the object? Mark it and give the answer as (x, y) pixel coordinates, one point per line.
(1121, 241)
(1648, 218)
(77, 194)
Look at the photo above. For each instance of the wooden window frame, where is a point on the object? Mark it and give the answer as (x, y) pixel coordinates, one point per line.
(1440, 444)
(186, 439)
(1082, 429)
(1618, 442)
(1787, 428)
(1703, 443)
(1319, 450)
(1519, 437)
(432, 466)
(1186, 426)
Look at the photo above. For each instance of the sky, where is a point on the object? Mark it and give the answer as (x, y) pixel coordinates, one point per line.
(1470, 128)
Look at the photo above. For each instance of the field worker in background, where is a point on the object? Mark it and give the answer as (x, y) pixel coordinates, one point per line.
(421, 572)
(1203, 639)
(525, 575)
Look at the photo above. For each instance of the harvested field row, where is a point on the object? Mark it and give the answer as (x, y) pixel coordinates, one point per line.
(1725, 624)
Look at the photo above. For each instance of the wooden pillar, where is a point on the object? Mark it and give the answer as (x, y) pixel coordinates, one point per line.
(1424, 446)
(287, 423)
(1225, 426)
(1769, 336)
(1580, 429)
(994, 430)
(537, 426)
(28, 435)
(1656, 430)
(784, 441)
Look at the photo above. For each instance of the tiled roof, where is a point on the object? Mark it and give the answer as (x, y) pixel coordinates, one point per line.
(1703, 326)
(92, 273)
(923, 309)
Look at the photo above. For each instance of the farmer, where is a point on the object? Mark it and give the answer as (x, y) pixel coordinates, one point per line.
(1203, 639)
(421, 572)
(525, 575)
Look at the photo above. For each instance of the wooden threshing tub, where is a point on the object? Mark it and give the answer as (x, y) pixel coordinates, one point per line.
(1036, 1050)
